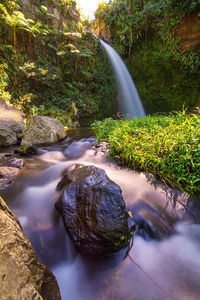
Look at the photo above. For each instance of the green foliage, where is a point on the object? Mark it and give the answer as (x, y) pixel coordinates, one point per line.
(44, 15)
(50, 69)
(167, 146)
(144, 33)
(4, 83)
(165, 79)
(103, 129)
(188, 6)
(67, 117)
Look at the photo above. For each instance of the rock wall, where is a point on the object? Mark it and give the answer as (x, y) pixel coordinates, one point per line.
(22, 276)
(31, 10)
(188, 31)
(99, 29)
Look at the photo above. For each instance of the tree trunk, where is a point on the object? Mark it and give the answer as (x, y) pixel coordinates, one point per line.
(130, 43)
(14, 37)
(146, 29)
(76, 65)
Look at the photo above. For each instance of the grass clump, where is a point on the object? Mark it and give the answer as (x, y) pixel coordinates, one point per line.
(168, 146)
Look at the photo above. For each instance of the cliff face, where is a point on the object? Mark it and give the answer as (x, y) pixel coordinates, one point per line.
(61, 14)
(188, 31)
(99, 29)
(22, 275)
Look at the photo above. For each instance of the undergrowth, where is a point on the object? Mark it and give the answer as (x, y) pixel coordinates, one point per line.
(51, 65)
(168, 146)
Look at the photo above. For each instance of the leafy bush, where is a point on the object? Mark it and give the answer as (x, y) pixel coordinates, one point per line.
(168, 146)
(4, 83)
(188, 6)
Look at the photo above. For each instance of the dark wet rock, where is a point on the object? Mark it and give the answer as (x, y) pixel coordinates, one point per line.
(8, 154)
(11, 124)
(93, 211)
(43, 130)
(26, 150)
(156, 216)
(22, 276)
(147, 230)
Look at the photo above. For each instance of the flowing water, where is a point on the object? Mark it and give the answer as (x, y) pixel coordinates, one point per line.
(166, 244)
(129, 100)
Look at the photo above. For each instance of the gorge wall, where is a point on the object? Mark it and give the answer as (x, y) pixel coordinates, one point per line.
(188, 30)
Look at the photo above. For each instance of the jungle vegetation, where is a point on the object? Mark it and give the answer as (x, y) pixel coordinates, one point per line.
(145, 33)
(166, 146)
(51, 65)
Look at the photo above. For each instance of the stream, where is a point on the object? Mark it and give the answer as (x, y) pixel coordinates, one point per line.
(165, 255)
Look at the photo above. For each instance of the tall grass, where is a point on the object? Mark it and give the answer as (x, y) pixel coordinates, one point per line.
(168, 146)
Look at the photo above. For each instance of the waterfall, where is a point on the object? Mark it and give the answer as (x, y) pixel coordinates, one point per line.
(129, 100)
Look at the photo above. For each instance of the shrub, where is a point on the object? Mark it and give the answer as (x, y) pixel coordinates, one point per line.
(168, 146)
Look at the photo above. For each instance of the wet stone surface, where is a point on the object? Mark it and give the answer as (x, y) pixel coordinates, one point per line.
(93, 211)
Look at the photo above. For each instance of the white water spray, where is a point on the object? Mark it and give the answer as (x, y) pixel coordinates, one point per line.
(130, 103)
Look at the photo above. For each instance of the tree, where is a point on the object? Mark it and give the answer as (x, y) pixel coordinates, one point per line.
(16, 20)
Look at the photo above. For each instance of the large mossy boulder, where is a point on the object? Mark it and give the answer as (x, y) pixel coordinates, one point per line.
(93, 211)
(22, 276)
(11, 124)
(43, 130)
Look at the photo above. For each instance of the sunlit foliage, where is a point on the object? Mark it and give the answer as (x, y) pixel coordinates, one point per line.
(167, 146)
(50, 63)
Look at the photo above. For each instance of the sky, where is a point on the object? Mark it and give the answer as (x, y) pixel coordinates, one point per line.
(88, 7)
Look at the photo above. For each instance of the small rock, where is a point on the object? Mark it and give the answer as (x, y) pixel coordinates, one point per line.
(15, 162)
(7, 174)
(8, 154)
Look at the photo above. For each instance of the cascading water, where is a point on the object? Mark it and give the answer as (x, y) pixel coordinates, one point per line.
(129, 100)
(165, 247)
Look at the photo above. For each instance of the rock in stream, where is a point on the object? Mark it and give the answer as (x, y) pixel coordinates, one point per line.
(43, 130)
(22, 275)
(93, 211)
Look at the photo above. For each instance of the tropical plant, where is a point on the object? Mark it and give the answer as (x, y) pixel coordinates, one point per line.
(17, 21)
(4, 83)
